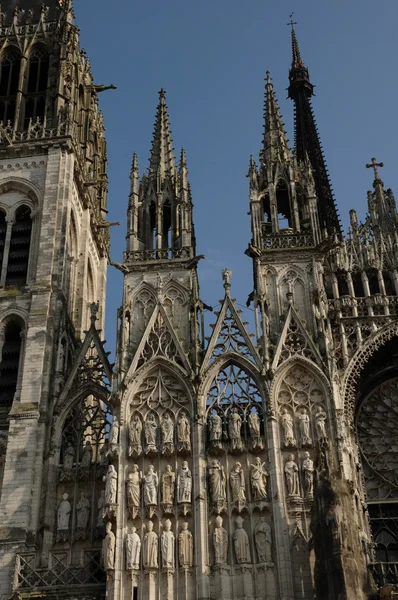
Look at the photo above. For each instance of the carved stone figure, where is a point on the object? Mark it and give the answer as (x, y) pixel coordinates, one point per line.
(167, 429)
(104, 452)
(167, 544)
(101, 509)
(183, 433)
(63, 514)
(241, 543)
(215, 431)
(320, 423)
(263, 539)
(82, 512)
(220, 543)
(254, 423)
(135, 432)
(87, 455)
(292, 478)
(150, 429)
(184, 484)
(108, 548)
(217, 485)
(134, 487)
(151, 483)
(287, 428)
(150, 553)
(133, 550)
(114, 435)
(69, 457)
(304, 428)
(308, 470)
(110, 485)
(168, 485)
(258, 479)
(185, 547)
(234, 430)
(237, 482)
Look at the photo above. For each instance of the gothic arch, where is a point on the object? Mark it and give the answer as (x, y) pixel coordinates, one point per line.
(14, 313)
(144, 287)
(32, 190)
(282, 370)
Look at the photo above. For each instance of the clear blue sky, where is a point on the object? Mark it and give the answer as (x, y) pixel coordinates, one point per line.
(211, 57)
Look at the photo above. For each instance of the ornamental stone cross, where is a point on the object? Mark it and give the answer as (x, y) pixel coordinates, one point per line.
(374, 164)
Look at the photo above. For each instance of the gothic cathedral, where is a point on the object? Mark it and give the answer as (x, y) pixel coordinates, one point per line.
(231, 467)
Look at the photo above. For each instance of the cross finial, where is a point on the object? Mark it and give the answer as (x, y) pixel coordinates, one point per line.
(291, 22)
(374, 165)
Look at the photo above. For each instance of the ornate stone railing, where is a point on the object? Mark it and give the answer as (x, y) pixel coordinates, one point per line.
(163, 254)
(36, 130)
(384, 573)
(362, 303)
(286, 240)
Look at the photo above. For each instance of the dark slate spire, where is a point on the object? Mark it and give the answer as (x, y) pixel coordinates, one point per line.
(307, 138)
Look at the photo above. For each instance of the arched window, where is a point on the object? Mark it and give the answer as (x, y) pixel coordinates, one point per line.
(3, 229)
(9, 78)
(152, 225)
(166, 240)
(9, 365)
(18, 258)
(36, 89)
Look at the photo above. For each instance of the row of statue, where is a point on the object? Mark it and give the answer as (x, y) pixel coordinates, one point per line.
(83, 509)
(293, 479)
(151, 435)
(234, 431)
(218, 484)
(262, 538)
(149, 482)
(304, 427)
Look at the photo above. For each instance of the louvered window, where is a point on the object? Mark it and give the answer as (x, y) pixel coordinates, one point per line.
(18, 257)
(35, 100)
(9, 78)
(9, 363)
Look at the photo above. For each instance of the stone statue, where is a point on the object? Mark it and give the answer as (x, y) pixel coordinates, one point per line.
(215, 431)
(150, 555)
(133, 550)
(185, 547)
(320, 423)
(184, 484)
(234, 430)
(167, 429)
(287, 428)
(254, 423)
(263, 539)
(217, 485)
(101, 509)
(104, 452)
(308, 470)
(135, 431)
(220, 543)
(134, 487)
(167, 544)
(108, 548)
(304, 428)
(69, 457)
(82, 512)
(183, 433)
(292, 478)
(168, 484)
(110, 485)
(87, 455)
(151, 483)
(241, 542)
(114, 435)
(150, 429)
(237, 482)
(63, 514)
(258, 479)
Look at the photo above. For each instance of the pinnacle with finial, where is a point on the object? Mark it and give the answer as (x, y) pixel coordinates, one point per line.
(276, 147)
(162, 160)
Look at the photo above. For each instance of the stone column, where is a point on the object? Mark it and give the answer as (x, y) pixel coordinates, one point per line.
(167, 584)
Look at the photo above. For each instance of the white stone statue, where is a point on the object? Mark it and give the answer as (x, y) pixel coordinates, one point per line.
(69, 457)
(167, 429)
(134, 487)
(150, 553)
(241, 543)
(237, 483)
(263, 539)
(82, 512)
(304, 428)
(258, 479)
(184, 484)
(114, 435)
(135, 432)
(150, 430)
(308, 470)
(287, 428)
(292, 478)
(217, 485)
(108, 548)
(215, 431)
(234, 430)
(220, 543)
(183, 433)
(63, 514)
(110, 485)
(254, 423)
(320, 423)
(167, 544)
(168, 485)
(101, 509)
(151, 483)
(87, 455)
(185, 547)
(133, 550)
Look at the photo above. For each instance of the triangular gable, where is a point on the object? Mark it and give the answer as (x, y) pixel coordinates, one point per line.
(230, 335)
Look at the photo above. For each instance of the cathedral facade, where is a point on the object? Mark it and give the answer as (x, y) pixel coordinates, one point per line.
(194, 468)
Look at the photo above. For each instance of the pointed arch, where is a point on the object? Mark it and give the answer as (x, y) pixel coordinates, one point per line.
(36, 84)
(9, 79)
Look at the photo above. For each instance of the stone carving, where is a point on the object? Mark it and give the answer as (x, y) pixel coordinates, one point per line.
(218, 485)
(241, 543)
(292, 478)
(114, 435)
(135, 432)
(254, 423)
(304, 428)
(287, 428)
(63, 514)
(87, 455)
(238, 488)
(263, 539)
(258, 479)
(151, 483)
(215, 430)
(183, 433)
(104, 452)
(167, 544)
(167, 429)
(320, 423)
(150, 430)
(101, 509)
(168, 485)
(220, 543)
(108, 548)
(69, 457)
(110, 486)
(308, 470)
(184, 484)
(150, 552)
(134, 489)
(82, 512)
(133, 550)
(234, 430)
(185, 547)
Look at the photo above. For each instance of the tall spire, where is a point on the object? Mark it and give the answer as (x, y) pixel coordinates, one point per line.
(276, 148)
(162, 161)
(307, 139)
